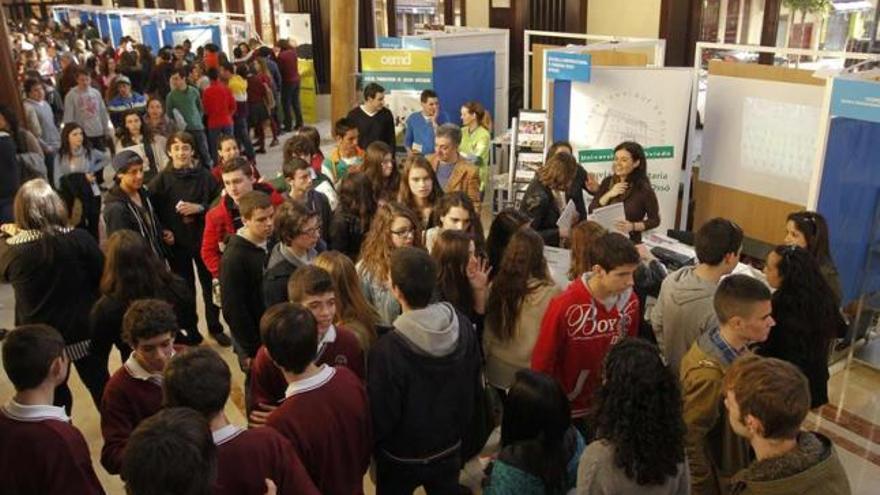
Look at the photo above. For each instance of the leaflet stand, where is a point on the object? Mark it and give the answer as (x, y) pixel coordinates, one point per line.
(527, 148)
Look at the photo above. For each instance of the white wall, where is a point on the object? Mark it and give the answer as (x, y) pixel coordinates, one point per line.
(477, 13)
(637, 18)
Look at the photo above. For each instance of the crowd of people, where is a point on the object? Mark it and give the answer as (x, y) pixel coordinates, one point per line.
(373, 320)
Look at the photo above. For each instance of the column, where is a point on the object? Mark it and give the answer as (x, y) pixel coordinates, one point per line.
(10, 94)
(343, 57)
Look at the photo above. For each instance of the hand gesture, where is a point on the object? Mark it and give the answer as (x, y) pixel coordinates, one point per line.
(185, 208)
(478, 273)
(271, 489)
(624, 227)
(168, 237)
(260, 414)
(618, 189)
(592, 183)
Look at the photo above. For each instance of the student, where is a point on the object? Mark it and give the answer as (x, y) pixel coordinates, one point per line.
(314, 137)
(393, 227)
(290, 82)
(767, 402)
(302, 146)
(582, 179)
(40, 120)
(714, 453)
(125, 100)
(321, 403)
(184, 105)
(298, 176)
(347, 153)
(373, 120)
(544, 199)
(455, 211)
(519, 297)
(199, 379)
(77, 170)
(380, 168)
(134, 392)
(463, 276)
(241, 274)
(419, 189)
(539, 446)
(809, 230)
(224, 219)
(806, 315)
(639, 446)
(84, 106)
(353, 310)
(156, 121)
(420, 126)
(422, 382)
(351, 220)
(219, 105)
(228, 150)
(591, 315)
(133, 135)
(298, 230)
(453, 171)
(172, 452)
(583, 234)
(684, 310)
(41, 451)
(313, 288)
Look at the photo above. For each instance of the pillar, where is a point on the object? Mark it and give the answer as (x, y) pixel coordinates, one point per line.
(343, 57)
(10, 94)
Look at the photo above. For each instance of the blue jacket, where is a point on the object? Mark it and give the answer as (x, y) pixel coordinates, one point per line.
(419, 130)
(119, 105)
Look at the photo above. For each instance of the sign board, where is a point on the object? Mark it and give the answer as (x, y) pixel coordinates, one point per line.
(398, 69)
(856, 99)
(567, 66)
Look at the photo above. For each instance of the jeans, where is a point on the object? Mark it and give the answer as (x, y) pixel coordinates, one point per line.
(290, 100)
(181, 263)
(214, 140)
(438, 477)
(202, 149)
(243, 136)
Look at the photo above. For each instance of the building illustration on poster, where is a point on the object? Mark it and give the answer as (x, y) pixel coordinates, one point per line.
(770, 144)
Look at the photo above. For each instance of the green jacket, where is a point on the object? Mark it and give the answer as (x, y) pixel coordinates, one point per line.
(189, 104)
(811, 468)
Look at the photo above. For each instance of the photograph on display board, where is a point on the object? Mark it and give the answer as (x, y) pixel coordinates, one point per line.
(531, 129)
(527, 164)
(402, 103)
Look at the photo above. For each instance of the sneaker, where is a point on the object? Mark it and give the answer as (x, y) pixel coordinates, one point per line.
(222, 339)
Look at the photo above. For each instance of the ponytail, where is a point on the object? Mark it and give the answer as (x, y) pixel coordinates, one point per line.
(483, 117)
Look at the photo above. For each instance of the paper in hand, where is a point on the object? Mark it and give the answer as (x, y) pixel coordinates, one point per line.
(608, 216)
(568, 216)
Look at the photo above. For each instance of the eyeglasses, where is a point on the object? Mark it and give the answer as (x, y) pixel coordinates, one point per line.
(408, 232)
(312, 231)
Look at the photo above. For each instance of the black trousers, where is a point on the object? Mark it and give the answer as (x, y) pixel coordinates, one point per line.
(91, 371)
(181, 262)
(437, 478)
(103, 340)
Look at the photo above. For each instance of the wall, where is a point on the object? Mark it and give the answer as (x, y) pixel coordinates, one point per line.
(637, 18)
(477, 13)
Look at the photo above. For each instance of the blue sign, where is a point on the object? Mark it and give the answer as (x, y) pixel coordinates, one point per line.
(563, 66)
(856, 99)
(388, 42)
(416, 44)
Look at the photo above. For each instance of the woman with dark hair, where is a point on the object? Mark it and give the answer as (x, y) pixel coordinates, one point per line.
(380, 168)
(420, 189)
(539, 446)
(136, 136)
(519, 296)
(352, 309)
(630, 185)
(544, 199)
(462, 277)
(455, 211)
(806, 316)
(809, 230)
(639, 446)
(54, 271)
(76, 168)
(351, 220)
(506, 223)
(132, 271)
(156, 120)
(582, 179)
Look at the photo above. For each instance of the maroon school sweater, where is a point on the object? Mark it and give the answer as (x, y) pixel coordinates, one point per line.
(126, 402)
(267, 382)
(41, 452)
(326, 418)
(245, 458)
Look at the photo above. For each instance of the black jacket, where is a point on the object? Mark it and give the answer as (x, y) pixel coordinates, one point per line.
(241, 275)
(193, 185)
(9, 171)
(576, 192)
(346, 234)
(539, 205)
(121, 213)
(278, 272)
(55, 279)
(379, 127)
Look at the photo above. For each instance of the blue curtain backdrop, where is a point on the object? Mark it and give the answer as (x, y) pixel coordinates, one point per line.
(150, 34)
(103, 25)
(115, 29)
(848, 199)
(462, 78)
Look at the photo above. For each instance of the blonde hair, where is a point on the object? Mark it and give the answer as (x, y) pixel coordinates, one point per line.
(353, 306)
(377, 247)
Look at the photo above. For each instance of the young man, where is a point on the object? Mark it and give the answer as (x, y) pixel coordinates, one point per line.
(347, 153)
(125, 100)
(184, 103)
(241, 274)
(40, 451)
(224, 219)
(313, 288)
(298, 175)
(684, 308)
(420, 126)
(373, 120)
(714, 452)
(301, 146)
(582, 323)
(298, 230)
(40, 120)
(84, 106)
(422, 382)
(200, 379)
(454, 172)
(289, 71)
(325, 414)
(219, 105)
(767, 401)
(134, 392)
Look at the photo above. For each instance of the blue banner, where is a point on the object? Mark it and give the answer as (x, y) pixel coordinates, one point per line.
(388, 42)
(563, 66)
(856, 99)
(462, 78)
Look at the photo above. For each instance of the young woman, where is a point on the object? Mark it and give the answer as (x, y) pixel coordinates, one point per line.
(420, 189)
(132, 271)
(809, 230)
(54, 271)
(455, 211)
(312, 134)
(351, 220)
(261, 100)
(639, 446)
(544, 199)
(582, 179)
(630, 185)
(394, 226)
(506, 223)
(519, 296)
(137, 136)
(806, 314)
(582, 236)
(228, 150)
(476, 136)
(76, 167)
(352, 309)
(182, 194)
(156, 121)
(380, 168)
(539, 446)
(462, 278)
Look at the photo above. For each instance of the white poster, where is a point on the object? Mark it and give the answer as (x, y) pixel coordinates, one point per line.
(646, 105)
(132, 28)
(296, 27)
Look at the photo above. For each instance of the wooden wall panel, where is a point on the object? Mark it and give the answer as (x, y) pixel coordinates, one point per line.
(760, 217)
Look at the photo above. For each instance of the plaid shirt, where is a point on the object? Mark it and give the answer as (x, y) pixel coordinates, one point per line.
(727, 352)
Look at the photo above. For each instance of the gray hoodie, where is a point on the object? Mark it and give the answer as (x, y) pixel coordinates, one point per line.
(432, 330)
(684, 310)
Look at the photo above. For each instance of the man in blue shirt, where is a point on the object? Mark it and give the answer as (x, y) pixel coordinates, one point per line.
(420, 126)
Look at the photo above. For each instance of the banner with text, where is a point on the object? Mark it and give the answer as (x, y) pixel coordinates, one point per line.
(398, 69)
(567, 66)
